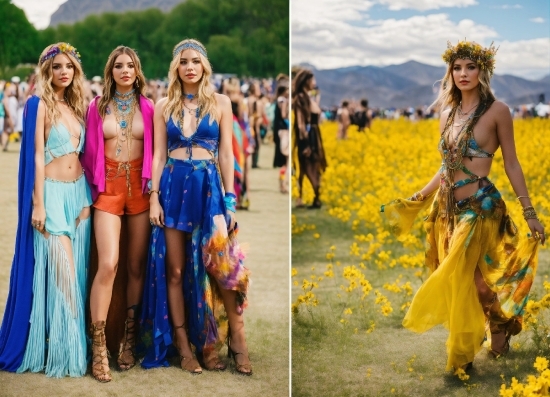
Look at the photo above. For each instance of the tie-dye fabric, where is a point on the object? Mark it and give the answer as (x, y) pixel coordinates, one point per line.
(483, 236)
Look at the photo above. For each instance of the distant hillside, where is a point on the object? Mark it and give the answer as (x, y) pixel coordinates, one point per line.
(413, 84)
(76, 10)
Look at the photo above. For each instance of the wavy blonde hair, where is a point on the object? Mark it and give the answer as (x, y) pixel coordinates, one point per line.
(110, 84)
(206, 93)
(74, 93)
(450, 95)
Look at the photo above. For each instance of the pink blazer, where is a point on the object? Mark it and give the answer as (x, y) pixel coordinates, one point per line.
(93, 156)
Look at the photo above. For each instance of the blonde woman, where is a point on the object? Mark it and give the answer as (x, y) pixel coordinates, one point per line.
(117, 159)
(205, 282)
(43, 326)
(482, 270)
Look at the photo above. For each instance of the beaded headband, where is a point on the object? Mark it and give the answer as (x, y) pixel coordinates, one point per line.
(63, 47)
(484, 57)
(188, 45)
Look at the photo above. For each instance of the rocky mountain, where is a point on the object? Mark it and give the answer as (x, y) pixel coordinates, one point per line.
(413, 84)
(76, 10)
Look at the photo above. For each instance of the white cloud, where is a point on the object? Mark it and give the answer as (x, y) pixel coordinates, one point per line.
(524, 57)
(39, 12)
(328, 43)
(332, 44)
(423, 5)
(508, 6)
(537, 20)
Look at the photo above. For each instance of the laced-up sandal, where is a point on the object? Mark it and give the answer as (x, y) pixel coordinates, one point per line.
(243, 369)
(126, 354)
(189, 364)
(99, 353)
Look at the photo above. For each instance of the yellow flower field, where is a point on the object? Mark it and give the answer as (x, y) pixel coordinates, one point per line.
(350, 276)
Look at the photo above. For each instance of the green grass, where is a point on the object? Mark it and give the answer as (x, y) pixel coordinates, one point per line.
(334, 359)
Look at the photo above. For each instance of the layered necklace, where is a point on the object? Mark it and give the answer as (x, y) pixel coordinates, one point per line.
(125, 108)
(191, 111)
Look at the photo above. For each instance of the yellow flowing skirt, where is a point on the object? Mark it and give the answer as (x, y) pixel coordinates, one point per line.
(483, 236)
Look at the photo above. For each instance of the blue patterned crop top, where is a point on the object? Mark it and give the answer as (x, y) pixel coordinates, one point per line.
(206, 136)
(59, 143)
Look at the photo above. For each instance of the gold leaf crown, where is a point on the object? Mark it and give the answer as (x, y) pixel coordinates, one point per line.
(484, 57)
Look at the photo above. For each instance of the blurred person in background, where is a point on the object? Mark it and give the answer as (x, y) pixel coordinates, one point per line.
(343, 116)
(307, 135)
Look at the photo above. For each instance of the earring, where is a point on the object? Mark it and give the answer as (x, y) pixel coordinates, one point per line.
(136, 83)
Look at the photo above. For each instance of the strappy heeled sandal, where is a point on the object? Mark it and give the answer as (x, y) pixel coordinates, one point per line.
(505, 347)
(99, 353)
(129, 343)
(214, 364)
(243, 369)
(189, 364)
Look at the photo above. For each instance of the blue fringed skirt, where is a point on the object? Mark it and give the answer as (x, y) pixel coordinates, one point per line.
(57, 338)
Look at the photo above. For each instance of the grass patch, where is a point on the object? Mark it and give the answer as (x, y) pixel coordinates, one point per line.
(365, 353)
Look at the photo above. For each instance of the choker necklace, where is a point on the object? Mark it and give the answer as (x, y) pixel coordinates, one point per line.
(60, 100)
(127, 94)
(190, 96)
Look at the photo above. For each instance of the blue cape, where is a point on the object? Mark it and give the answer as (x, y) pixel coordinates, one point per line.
(15, 325)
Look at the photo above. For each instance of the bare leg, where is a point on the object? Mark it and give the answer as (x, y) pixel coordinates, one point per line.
(175, 264)
(312, 173)
(237, 337)
(5, 141)
(500, 339)
(107, 235)
(138, 238)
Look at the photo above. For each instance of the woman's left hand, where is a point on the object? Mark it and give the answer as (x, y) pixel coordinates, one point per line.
(537, 230)
(231, 217)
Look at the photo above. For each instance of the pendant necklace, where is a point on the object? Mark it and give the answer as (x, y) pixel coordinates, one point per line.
(125, 108)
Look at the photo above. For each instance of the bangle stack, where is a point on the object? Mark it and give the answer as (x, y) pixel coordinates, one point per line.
(154, 191)
(529, 213)
(418, 196)
(230, 201)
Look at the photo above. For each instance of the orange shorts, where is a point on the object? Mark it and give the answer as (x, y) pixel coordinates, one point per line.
(122, 193)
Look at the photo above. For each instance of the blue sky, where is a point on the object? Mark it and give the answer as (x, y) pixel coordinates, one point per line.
(330, 34)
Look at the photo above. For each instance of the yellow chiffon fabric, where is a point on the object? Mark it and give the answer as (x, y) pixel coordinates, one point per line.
(483, 236)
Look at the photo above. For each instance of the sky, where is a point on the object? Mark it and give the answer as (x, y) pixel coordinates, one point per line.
(39, 12)
(331, 34)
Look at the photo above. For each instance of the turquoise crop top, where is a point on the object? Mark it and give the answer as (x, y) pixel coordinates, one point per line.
(59, 143)
(206, 136)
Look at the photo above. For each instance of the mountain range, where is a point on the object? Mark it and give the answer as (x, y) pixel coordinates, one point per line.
(412, 84)
(76, 10)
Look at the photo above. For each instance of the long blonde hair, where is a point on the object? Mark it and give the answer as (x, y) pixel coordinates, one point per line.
(110, 84)
(449, 94)
(74, 93)
(206, 93)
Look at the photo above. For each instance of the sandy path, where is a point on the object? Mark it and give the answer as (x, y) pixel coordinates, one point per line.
(265, 227)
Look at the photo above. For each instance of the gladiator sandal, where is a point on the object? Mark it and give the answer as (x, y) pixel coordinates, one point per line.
(126, 354)
(189, 364)
(99, 353)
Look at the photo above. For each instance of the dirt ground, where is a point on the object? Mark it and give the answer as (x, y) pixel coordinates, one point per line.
(265, 227)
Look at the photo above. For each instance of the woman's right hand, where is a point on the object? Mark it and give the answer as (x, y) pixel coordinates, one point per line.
(38, 218)
(307, 151)
(156, 214)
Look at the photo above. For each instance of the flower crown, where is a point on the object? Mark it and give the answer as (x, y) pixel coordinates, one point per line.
(63, 47)
(187, 45)
(484, 57)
